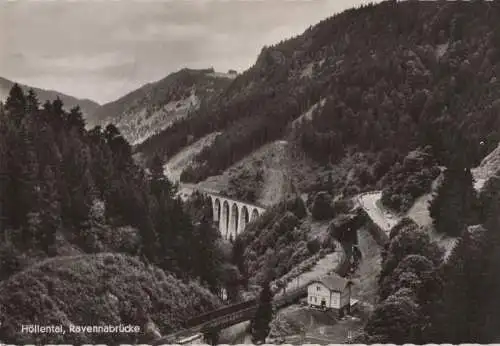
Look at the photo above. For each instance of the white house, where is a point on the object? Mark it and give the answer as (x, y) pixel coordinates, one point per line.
(330, 292)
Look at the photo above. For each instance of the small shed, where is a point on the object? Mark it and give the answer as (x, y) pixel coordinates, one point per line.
(330, 292)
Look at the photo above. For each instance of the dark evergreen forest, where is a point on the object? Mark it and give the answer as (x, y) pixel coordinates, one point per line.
(62, 181)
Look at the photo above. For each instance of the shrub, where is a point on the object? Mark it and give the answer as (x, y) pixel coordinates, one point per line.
(405, 182)
(313, 246)
(405, 223)
(322, 206)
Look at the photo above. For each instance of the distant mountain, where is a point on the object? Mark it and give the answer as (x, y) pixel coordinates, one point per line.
(155, 106)
(87, 106)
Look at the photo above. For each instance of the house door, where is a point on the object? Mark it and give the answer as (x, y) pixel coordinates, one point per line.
(323, 303)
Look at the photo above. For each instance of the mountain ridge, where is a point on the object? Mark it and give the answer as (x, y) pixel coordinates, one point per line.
(86, 105)
(156, 105)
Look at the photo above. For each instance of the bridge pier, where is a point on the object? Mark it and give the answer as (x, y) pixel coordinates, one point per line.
(216, 210)
(232, 215)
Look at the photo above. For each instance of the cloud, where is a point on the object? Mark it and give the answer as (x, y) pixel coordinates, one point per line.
(163, 32)
(84, 63)
(101, 49)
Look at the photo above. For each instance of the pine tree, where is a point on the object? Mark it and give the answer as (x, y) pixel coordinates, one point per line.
(20, 172)
(29, 193)
(263, 316)
(466, 277)
(455, 205)
(50, 211)
(122, 153)
(32, 103)
(57, 115)
(75, 120)
(207, 260)
(15, 106)
(77, 196)
(160, 185)
(238, 258)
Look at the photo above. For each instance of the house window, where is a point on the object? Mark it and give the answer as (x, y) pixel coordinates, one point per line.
(318, 288)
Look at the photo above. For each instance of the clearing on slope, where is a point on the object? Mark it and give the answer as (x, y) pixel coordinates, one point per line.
(489, 166)
(174, 167)
(261, 175)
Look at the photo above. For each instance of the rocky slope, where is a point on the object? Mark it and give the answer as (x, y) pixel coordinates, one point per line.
(176, 165)
(156, 106)
(488, 168)
(87, 106)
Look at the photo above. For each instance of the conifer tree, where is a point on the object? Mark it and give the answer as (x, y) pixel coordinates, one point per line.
(57, 115)
(465, 274)
(263, 316)
(32, 103)
(75, 120)
(19, 176)
(15, 106)
(50, 211)
(160, 184)
(238, 258)
(208, 259)
(455, 204)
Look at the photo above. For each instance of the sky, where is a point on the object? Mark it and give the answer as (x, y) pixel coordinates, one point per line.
(102, 49)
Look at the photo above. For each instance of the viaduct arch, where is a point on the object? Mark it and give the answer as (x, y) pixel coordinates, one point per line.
(233, 215)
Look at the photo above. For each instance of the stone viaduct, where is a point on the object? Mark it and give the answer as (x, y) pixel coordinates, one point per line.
(233, 215)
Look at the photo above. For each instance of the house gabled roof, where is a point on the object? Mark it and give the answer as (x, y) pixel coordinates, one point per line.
(333, 282)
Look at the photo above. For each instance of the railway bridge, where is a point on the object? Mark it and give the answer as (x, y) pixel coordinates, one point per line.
(240, 312)
(231, 214)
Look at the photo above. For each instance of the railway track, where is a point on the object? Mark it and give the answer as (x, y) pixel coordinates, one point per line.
(240, 312)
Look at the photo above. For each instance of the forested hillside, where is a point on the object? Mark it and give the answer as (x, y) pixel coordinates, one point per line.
(382, 79)
(426, 298)
(155, 106)
(109, 288)
(386, 96)
(66, 191)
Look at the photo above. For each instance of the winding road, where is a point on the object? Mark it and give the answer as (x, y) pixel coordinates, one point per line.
(371, 203)
(385, 220)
